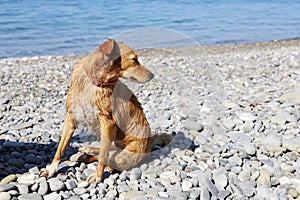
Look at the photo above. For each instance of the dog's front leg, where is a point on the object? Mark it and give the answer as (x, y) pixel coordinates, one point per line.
(67, 132)
(108, 134)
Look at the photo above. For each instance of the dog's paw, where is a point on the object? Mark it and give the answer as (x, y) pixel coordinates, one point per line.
(50, 171)
(93, 178)
(89, 150)
(44, 173)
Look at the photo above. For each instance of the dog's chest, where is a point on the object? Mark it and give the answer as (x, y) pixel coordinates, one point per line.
(86, 115)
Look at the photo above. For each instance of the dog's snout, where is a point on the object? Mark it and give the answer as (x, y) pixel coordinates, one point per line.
(151, 76)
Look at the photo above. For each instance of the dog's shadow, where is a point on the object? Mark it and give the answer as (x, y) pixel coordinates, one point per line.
(19, 157)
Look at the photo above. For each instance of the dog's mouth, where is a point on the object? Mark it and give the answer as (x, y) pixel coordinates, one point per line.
(133, 79)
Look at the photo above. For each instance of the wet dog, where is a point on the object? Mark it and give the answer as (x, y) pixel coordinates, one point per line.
(100, 101)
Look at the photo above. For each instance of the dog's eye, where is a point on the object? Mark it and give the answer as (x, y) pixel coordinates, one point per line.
(135, 60)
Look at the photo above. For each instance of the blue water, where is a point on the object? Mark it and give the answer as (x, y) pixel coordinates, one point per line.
(57, 27)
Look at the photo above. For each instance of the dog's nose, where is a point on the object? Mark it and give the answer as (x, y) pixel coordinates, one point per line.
(151, 76)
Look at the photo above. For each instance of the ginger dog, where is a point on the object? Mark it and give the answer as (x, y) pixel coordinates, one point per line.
(100, 101)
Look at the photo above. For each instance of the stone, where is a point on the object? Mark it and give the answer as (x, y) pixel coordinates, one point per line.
(28, 179)
(135, 174)
(204, 194)
(294, 193)
(31, 196)
(6, 187)
(291, 97)
(195, 194)
(8, 179)
(70, 184)
(167, 174)
(221, 181)
(228, 123)
(191, 125)
(247, 117)
(186, 186)
(23, 189)
(43, 187)
(264, 178)
(22, 126)
(206, 183)
(5, 196)
(52, 196)
(55, 184)
(284, 180)
(250, 148)
(292, 144)
(133, 194)
(223, 194)
(80, 191)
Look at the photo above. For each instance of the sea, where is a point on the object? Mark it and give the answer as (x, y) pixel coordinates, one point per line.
(64, 27)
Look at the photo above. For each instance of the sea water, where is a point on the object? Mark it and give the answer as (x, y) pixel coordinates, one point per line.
(61, 27)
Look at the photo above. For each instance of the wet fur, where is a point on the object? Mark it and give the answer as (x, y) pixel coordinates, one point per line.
(101, 102)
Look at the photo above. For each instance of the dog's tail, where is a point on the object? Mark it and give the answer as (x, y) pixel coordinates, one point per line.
(159, 141)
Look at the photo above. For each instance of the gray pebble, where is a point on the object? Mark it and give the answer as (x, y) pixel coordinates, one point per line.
(223, 194)
(80, 191)
(204, 194)
(250, 148)
(52, 196)
(31, 196)
(23, 189)
(221, 181)
(55, 184)
(228, 123)
(6, 187)
(191, 125)
(292, 144)
(75, 197)
(135, 174)
(5, 196)
(247, 117)
(70, 184)
(43, 187)
(111, 194)
(186, 186)
(205, 182)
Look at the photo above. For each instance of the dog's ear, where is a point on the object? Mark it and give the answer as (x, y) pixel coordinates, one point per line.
(108, 47)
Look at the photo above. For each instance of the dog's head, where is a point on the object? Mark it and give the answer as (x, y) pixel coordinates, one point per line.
(114, 60)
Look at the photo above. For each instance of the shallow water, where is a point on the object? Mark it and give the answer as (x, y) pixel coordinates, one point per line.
(35, 27)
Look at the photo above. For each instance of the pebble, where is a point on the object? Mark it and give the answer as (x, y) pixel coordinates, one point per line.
(221, 181)
(264, 178)
(55, 184)
(229, 123)
(5, 196)
(6, 187)
(247, 117)
(186, 186)
(250, 148)
(135, 174)
(23, 189)
(43, 187)
(292, 144)
(31, 196)
(8, 179)
(191, 125)
(223, 194)
(52, 196)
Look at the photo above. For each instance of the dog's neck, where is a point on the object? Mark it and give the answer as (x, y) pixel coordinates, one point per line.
(102, 83)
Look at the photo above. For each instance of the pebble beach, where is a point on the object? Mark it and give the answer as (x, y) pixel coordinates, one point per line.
(233, 112)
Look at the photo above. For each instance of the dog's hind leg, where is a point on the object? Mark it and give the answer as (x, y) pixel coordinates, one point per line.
(68, 130)
(129, 157)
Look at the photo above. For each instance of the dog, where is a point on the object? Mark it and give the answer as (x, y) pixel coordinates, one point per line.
(97, 99)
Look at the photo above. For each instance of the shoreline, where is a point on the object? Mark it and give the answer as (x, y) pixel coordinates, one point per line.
(210, 49)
